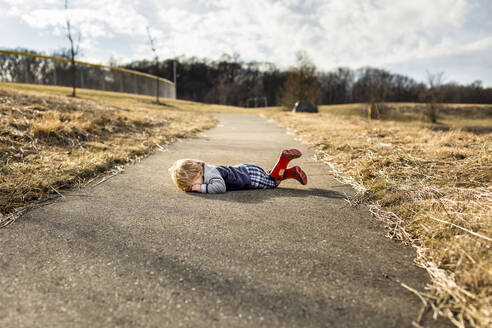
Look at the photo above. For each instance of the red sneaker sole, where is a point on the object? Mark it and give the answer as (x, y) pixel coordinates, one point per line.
(291, 153)
(300, 175)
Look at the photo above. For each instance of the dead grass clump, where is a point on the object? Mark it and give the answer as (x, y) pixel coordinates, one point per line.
(431, 188)
(58, 128)
(49, 143)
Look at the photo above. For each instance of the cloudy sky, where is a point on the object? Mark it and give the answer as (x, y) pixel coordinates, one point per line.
(404, 36)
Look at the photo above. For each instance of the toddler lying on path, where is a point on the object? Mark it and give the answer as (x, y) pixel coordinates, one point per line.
(195, 175)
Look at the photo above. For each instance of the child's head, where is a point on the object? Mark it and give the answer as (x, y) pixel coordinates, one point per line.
(185, 171)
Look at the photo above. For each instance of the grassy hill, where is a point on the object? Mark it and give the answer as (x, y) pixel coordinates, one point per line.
(51, 142)
(475, 117)
(129, 100)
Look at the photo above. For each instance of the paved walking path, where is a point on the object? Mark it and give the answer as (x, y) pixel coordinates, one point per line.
(135, 251)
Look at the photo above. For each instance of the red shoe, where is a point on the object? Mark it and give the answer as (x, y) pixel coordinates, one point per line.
(295, 173)
(285, 157)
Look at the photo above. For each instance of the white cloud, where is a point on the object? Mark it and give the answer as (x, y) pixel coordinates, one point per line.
(94, 19)
(334, 32)
(369, 34)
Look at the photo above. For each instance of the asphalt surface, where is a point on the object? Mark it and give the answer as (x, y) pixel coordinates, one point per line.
(135, 251)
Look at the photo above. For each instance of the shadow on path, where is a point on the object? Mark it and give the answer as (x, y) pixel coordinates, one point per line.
(258, 196)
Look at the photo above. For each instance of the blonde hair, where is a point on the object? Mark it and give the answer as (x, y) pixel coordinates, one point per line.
(185, 171)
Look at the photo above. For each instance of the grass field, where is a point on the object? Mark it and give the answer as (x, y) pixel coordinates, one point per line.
(430, 183)
(432, 188)
(465, 116)
(132, 101)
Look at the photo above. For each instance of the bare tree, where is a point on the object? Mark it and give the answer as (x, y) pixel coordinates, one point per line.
(302, 83)
(156, 57)
(374, 84)
(74, 48)
(432, 95)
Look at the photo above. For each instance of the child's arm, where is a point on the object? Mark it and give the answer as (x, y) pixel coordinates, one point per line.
(216, 185)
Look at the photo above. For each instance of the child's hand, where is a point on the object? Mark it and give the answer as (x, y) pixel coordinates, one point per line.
(196, 187)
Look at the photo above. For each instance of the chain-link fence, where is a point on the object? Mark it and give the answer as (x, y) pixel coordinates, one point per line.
(22, 67)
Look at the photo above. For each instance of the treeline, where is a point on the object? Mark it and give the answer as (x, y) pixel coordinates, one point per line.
(233, 82)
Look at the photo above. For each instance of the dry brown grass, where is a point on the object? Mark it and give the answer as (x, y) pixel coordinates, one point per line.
(431, 188)
(474, 117)
(48, 143)
(132, 101)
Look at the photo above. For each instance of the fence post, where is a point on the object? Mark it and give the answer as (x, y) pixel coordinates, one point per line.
(157, 89)
(148, 91)
(54, 73)
(25, 73)
(175, 80)
(121, 81)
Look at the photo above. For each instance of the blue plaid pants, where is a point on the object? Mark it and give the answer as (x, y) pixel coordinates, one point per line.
(259, 178)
